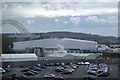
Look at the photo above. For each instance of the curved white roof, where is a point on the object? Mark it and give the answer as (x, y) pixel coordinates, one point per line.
(19, 57)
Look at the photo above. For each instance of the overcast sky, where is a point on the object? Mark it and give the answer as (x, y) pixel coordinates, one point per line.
(87, 17)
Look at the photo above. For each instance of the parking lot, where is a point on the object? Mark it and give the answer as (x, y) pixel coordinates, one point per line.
(79, 73)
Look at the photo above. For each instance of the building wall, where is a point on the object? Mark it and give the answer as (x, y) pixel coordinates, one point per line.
(54, 43)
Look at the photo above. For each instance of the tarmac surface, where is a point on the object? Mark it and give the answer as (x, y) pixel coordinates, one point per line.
(78, 74)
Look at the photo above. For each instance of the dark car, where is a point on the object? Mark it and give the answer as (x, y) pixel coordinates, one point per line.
(35, 72)
(59, 70)
(7, 70)
(67, 72)
(29, 73)
(58, 78)
(31, 67)
(64, 66)
(91, 72)
(51, 64)
(25, 70)
(42, 67)
(47, 64)
(89, 77)
(57, 64)
(103, 74)
(37, 69)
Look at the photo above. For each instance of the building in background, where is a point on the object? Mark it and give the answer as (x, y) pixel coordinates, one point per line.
(52, 44)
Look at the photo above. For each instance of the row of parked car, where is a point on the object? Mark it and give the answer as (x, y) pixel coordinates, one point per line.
(94, 71)
(34, 70)
(66, 69)
(58, 64)
(63, 68)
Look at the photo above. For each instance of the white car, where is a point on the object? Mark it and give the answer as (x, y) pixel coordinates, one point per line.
(93, 65)
(49, 75)
(80, 63)
(62, 64)
(2, 70)
(70, 68)
(87, 63)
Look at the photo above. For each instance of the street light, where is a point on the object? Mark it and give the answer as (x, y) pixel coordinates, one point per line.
(97, 65)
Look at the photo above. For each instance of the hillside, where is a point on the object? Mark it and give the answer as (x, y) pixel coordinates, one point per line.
(83, 36)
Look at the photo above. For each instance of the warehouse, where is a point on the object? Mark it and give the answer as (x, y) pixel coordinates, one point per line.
(52, 44)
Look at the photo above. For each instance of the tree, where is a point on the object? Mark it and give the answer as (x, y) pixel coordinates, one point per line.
(7, 44)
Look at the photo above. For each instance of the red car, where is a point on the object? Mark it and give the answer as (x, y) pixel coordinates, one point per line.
(67, 72)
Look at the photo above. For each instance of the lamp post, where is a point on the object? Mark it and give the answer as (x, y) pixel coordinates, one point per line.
(97, 67)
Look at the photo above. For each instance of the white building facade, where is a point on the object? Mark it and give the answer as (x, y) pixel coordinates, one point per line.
(70, 45)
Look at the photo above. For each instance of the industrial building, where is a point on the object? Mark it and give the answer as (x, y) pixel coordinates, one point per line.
(52, 44)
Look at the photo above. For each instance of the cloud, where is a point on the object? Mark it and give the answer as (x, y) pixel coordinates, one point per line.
(109, 20)
(29, 21)
(75, 20)
(103, 20)
(112, 19)
(92, 19)
(59, 9)
(95, 19)
(56, 20)
(66, 22)
(60, 0)
(5, 6)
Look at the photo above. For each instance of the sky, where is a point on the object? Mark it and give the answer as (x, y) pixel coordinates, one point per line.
(96, 17)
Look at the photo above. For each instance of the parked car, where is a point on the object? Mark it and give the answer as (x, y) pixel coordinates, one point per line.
(51, 64)
(35, 72)
(91, 72)
(25, 70)
(102, 64)
(89, 77)
(87, 63)
(73, 66)
(93, 68)
(59, 70)
(93, 65)
(60, 67)
(102, 74)
(57, 64)
(70, 68)
(62, 64)
(37, 69)
(58, 78)
(49, 75)
(42, 67)
(67, 72)
(80, 63)
(2, 70)
(47, 64)
(29, 74)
